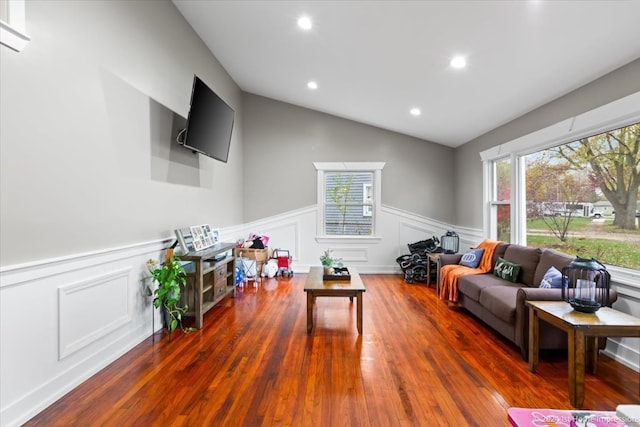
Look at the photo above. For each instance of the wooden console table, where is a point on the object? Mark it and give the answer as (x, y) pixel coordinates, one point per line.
(582, 330)
(316, 287)
(211, 279)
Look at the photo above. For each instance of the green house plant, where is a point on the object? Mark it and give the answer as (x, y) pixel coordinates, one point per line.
(170, 277)
(329, 262)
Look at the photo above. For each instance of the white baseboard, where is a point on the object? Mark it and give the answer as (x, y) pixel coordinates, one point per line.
(624, 354)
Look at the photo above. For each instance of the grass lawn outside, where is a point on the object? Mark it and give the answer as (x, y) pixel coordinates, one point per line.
(589, 238)
(577, 224)
(613, 252)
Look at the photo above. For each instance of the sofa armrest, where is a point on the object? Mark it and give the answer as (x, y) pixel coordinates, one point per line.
(447, 259)
(522, 312)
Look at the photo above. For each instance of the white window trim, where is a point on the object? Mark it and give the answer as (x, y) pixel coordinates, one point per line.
(623, 112)
(13, 31)
(322, 168)
(620, 113)
(490, 189)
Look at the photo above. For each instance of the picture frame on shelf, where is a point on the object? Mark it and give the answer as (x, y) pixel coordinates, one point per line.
(203, 236)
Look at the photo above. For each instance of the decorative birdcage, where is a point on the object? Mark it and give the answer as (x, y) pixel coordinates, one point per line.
(450, 242)
(585, 285)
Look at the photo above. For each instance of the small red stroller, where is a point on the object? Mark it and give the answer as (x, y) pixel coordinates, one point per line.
(284, 262)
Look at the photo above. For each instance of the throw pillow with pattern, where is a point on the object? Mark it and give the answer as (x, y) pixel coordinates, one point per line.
(472, 258)
(552, 278)
(506, 270)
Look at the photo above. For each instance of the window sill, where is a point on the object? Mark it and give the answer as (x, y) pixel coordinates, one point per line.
(349, 239)
(624, 276)
(13, 38)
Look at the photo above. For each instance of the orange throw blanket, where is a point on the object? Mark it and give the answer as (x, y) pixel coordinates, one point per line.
(449, 273)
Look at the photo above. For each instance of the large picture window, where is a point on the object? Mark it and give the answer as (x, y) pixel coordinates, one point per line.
(582, 197)
(348, 198)
(573, 186)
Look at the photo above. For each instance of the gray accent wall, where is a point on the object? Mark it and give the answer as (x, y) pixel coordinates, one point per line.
(468, 183)
(281, 142)
(89, 111)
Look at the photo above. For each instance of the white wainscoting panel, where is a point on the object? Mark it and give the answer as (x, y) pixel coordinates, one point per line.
(64, 319)
(106, 297)
(351, 254)
(284, 235)
(413, 232)
(625, 350)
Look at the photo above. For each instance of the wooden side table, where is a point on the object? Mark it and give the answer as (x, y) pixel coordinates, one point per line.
(582, 330)
(434, 259)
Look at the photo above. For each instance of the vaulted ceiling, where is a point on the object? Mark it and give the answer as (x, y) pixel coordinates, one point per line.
(374, 61)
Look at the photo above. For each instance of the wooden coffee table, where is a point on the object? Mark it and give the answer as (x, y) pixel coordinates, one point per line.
(582, 330)
(316, 287)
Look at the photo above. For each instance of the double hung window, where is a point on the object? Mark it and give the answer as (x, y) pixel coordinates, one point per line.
(348, 198)
(573, 186)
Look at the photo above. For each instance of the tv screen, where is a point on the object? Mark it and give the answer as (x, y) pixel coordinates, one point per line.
(209, 124)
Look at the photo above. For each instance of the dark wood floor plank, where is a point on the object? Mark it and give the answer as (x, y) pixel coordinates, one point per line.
(418, 362)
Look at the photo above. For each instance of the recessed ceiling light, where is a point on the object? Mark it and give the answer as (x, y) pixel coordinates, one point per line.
(305, 23)
(312, 85)
(458, 62)
(415, 111)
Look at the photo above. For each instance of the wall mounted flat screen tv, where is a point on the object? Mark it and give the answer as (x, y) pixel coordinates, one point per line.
(209, 124)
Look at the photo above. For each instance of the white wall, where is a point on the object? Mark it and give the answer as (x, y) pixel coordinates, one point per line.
(626, 350)
(92, 184)
(87, 160)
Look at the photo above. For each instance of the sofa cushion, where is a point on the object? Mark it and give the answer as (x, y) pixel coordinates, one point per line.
(472, 258)
(550, 258)
(471, 286)
(501, 301)
(528, 259)
(507, 270)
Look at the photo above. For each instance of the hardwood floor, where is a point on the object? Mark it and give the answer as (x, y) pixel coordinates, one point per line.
(417, 363)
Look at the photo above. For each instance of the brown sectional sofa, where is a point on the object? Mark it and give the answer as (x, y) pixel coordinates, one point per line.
(501, 304)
